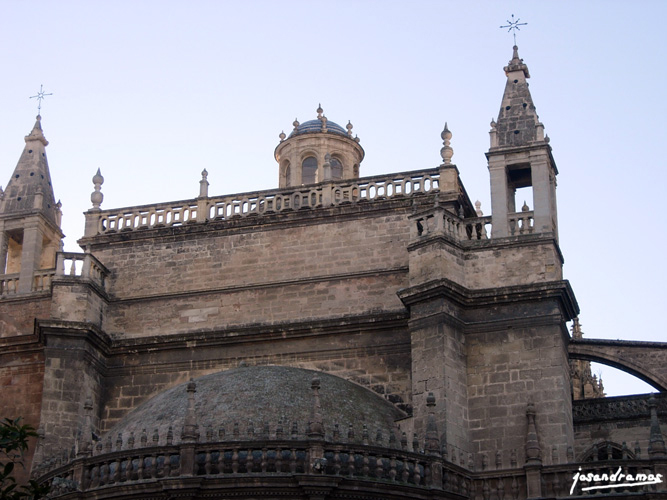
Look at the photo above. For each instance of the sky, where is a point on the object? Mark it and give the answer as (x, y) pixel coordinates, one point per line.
(153, 92)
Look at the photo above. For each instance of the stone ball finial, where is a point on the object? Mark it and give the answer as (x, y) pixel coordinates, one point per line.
(525, 207)
(204, 174)
(97, 197)
(319, 111)
(349, 128)
(282, 136)
(493, 124)
(97, 178)
(478, 208)
(446, 152)
(296, 124)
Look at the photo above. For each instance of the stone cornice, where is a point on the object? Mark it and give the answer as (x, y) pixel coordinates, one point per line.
(468, 298)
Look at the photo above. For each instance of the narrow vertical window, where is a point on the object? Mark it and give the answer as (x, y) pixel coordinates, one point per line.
(309, 170)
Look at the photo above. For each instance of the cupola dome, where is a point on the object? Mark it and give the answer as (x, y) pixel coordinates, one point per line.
(318, 151)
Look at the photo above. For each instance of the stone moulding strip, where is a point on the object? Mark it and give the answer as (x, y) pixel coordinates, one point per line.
(259, 286)
(251, 333)
(467, 298)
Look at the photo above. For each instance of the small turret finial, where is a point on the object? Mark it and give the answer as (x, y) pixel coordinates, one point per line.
(349, 128)
(446, 152)
(296, 124)
(203, 184)
(282, 136)
(97, 197)
(319, 111)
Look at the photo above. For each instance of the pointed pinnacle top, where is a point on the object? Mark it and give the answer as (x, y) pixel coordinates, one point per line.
(37, 134)
(516, 64)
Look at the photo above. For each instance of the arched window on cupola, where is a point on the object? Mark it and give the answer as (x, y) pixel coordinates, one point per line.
(336, 169)
(309, 170)
(288, 174)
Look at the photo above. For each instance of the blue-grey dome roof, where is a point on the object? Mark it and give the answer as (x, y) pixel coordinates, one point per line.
(314, 126)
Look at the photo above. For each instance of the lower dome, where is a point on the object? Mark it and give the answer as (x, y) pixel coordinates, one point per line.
(251, 400)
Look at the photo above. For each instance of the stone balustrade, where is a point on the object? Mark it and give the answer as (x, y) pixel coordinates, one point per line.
(325, 194)
(521, 223)
(239, 458)
(359, 461)
(9, 284)
(81, 265)
(440, 222)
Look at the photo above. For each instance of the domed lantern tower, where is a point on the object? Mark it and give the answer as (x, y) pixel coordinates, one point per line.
(317, 151)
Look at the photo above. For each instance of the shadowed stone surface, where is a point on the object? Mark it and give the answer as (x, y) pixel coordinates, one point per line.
(262, 394)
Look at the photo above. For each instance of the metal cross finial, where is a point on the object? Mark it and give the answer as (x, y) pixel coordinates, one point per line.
(40, 95)
(514, 26)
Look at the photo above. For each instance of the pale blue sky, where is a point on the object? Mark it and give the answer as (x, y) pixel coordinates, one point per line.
(152, 92)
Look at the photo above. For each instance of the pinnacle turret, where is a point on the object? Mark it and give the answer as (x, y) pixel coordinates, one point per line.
(518, 123)
(29, 189)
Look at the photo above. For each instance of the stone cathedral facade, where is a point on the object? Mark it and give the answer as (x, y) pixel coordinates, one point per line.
(337, 337)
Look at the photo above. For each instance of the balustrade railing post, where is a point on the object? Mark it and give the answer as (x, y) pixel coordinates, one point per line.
(327, 194)
(60, 263)
(85, 269)
(187, 453)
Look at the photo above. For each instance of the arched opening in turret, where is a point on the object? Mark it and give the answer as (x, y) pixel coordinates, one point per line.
(309, 170)
(520, 198)
(12, 262)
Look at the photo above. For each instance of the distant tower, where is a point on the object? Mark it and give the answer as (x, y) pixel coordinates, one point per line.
(30, 233)
(520, 157)
(317, 151)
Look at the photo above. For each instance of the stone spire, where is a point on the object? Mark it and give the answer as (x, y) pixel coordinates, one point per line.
(29, 189)
(517, 123)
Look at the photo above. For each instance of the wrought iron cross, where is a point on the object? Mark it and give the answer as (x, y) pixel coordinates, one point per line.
(513, 26)
(40, 96)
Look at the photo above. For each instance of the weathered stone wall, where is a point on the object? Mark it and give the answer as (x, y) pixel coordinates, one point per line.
(73, 372)
(515, 261)
(510, 364)
(342, 262)
(17, 314)
(21, 377)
